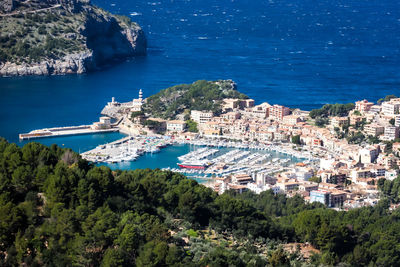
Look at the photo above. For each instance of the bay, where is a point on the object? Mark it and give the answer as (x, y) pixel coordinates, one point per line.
(299, 53)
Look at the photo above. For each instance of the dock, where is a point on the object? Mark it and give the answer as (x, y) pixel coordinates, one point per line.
(64, 131)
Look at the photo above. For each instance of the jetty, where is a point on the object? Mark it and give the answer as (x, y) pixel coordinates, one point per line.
(64, 131)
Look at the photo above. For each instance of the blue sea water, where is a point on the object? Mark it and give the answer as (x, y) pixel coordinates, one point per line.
(300, 53)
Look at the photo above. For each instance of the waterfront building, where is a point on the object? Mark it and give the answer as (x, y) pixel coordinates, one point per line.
(201, 116)
(176, 126)
(103, 123)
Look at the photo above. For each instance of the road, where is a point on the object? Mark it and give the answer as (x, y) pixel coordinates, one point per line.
(30, 11)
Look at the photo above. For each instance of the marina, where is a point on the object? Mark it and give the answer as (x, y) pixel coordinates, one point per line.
(126, 149)
(197, 161)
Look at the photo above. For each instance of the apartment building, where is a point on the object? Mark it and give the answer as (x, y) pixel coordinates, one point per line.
(201, 116)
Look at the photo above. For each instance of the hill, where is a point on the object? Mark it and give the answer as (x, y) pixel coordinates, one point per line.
(63, 36)
(200, 95)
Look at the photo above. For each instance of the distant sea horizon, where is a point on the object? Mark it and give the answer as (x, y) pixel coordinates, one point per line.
(302, 54)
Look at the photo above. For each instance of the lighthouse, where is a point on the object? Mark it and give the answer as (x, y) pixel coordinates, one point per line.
(137, 103)
(140, 95)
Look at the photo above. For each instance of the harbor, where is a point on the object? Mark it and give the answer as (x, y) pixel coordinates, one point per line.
(228, 160)
(127, 149)
(203, 161)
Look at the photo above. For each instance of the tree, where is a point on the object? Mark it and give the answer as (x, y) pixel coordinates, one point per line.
(279, 258)
(296, 139)
(387, 98)
(192, 126)
(315, 179)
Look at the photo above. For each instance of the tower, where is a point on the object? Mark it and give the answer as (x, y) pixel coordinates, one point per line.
(140, 95)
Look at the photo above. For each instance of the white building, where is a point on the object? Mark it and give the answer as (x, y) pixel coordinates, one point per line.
(391, 107)
(391, 133)
(291, 119)
(363, 105)
(201, 116)
(397, 121)
(368, 155)
(176, 126)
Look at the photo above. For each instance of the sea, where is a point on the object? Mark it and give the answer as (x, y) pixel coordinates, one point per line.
(299, 53)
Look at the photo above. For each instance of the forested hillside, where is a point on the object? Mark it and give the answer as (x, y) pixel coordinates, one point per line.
(200, 95)
(58, 210)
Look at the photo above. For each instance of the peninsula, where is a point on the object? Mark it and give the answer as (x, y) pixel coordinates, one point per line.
(63, 36)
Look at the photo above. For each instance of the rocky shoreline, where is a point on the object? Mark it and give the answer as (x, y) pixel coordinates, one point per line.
(107, 39)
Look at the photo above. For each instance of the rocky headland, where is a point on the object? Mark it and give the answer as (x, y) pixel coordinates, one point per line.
(45, 37)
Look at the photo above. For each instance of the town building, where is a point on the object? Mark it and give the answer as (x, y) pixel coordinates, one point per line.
(176, 126)
(368, 154)
(103, 123)
(291, 119)
(339, 121)
(390, 133)
(397, 121)
(241, 179)
(201, 116)
(391, 107)
(337, 198)
(363, 105)
(277, 112)
(374, 129)
(320, 196)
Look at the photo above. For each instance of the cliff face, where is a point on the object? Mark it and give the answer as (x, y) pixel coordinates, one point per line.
(65, 36)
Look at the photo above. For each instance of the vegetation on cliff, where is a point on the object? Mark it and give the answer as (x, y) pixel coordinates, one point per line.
(42, 31)
(58, 210)
(200, 95)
